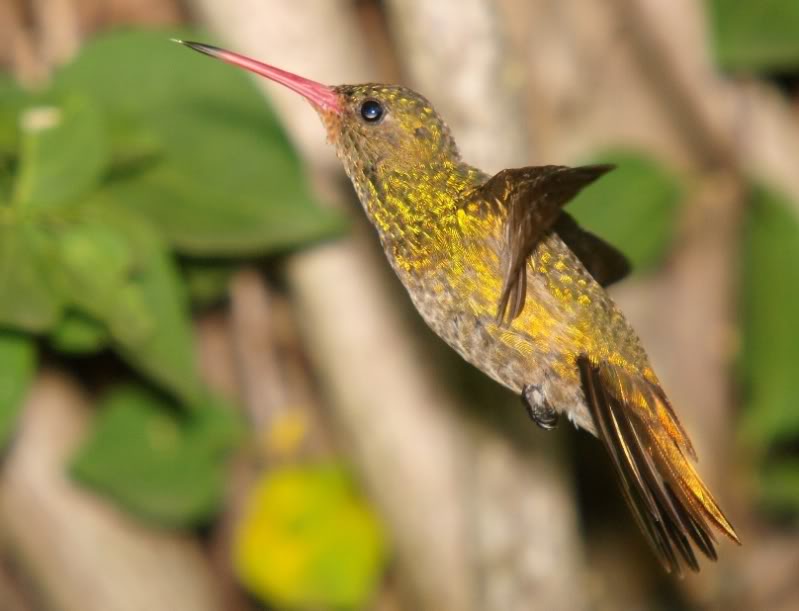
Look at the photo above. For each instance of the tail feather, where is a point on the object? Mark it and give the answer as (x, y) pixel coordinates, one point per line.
(648, 447)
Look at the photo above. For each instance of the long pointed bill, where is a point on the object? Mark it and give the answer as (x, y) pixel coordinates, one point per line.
(321, 96)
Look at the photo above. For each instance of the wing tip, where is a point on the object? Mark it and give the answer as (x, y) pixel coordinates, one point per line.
(596, 170)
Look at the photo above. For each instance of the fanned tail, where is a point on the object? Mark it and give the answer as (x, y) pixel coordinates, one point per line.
(648, 447)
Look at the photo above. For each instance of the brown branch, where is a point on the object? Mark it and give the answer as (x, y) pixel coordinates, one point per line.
(706, 140)
(456, 54)
(13, 595)
(19, 48)
(250, 356)
(275, 386)
(57, 30)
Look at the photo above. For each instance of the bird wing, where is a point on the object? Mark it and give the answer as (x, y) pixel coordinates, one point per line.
(533, 198)
(604, 262)
(648, 447)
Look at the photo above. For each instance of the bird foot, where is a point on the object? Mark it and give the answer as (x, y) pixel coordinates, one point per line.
(538, 408)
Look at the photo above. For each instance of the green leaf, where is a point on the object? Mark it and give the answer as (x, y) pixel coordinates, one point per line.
(308, 539)
(28, 284)
(227, 181)
(770, 302)
(17, 363)
(107, 264)
(134, 147)
(78, 333)
(12, 99)
(163, 468)
(756, 36)
(6, 178)
(201, 220)
(207, 280)
(62, 153)
(97, 264)
(119, 272)
(215, 428)
(779, 485)
(634, 207)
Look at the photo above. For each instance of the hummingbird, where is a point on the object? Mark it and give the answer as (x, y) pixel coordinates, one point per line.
(505, 276)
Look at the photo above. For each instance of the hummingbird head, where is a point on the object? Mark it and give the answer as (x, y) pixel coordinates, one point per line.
(387, 126)
(372, 126)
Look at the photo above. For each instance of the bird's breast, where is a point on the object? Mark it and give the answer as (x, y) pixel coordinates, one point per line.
(455, 283)
(456, 287)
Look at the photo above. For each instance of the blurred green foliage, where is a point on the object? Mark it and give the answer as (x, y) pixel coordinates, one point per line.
(17, 362)
(755, 36)
(206, 279)
(634, 207)
(770, 351)
(770, 296)
(779, 484)
(127, 190)
(226, 181)
(140, 151)
(77, 333)
(158, 462)
(308, 540)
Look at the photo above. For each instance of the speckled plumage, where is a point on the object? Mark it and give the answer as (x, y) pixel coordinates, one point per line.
(445, 244)
(510, 281)
(449, 238)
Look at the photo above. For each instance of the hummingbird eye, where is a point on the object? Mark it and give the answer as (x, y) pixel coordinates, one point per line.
(371, 111)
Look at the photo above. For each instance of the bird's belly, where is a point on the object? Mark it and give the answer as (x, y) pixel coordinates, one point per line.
(510, 356)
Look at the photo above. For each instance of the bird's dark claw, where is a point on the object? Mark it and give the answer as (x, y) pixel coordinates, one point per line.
(538, 408)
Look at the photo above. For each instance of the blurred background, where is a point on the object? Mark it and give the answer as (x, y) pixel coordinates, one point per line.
(213, 393)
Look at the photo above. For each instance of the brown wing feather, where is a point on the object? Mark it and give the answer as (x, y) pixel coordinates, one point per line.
(647, 446)
(533, 198)
(604, 262)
